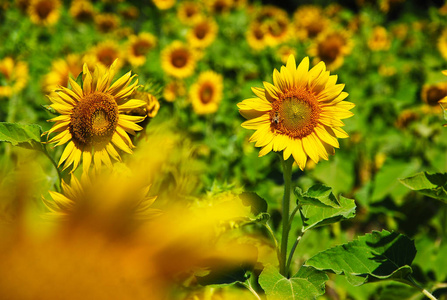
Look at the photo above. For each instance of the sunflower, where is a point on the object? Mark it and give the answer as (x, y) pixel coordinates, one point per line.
(431, 94)
(189, 12)
(442, 44)
(173, 90)
(300, 114)
(331, 47)
(218, 7)
(44, 12)
(206, 93)
(379, 39)
(256, 36)
(80, 197)
(178, 60)
(107, 22)
(129, 12)
(92, 120)
(284, 52)
(104, 54)
(310, 21)
(82, 10)
(60, 71)
(164, 4)
(150, 109)
(139, 46)
(13, 76)
(203, 33)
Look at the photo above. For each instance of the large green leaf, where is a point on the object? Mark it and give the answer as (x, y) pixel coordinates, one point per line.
(386, 181)
(321, 207)
(432, 185)
(308, 283)
(374, 256)
(22, 135)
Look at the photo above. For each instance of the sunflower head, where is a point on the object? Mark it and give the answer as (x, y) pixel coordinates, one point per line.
(431, 94)
(107, 22)
(189, 12)
(13, 76)
(310, 21)
(203, 33)
(93, 120)
(379, 39)
(139, 46)
(331, 47)
(164, 4)
(82, 10)
(173, 90)
(44, 12)
(299, 114)
(206, 93)
(178, 60)
(61, 69)
(103, 55)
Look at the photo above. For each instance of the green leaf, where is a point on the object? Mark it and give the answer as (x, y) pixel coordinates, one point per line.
(318, 195)
(432, 185)
(315, 216)
(49, 109)
(21, 135)
(257, 204)
(374, 256)
(386, 182)
(308, 283)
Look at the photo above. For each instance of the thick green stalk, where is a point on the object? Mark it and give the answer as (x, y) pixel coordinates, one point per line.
(287, 172)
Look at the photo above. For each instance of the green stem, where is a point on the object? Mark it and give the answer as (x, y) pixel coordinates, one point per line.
(410, 281)
(292, 251)
(54, 164)
(287, 172)
(250, 288)
(269, 229)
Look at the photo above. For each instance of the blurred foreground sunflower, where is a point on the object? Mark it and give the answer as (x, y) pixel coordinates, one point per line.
(92, 120)
(300, 114)
(206, 93)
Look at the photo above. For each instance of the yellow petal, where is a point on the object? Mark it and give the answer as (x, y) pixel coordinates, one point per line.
(301, 73)
(298, 154)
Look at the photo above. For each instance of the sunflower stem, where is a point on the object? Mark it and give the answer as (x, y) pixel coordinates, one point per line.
(287, 172)
(59, 175)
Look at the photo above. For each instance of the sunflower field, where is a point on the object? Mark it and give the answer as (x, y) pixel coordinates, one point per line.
(223, 149)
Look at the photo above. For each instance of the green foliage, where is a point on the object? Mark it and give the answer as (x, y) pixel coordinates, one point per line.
(321, 207)
(308, 283)
(21, 135)
(432, 185)
(376, 256)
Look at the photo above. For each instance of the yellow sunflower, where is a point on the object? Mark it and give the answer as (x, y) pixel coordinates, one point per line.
(431, 94)
(218, 7)
(442, 44)
(130, 12)
(379, 39)
(173, 90)
(256, 36)
(13, 76)
(164, 4)
(82, 10)
(178, 60)
(61, 69)
(331, 47)
(203, 33)
(150, 109)
(300, 114)
(206, 93)
(44, 12)
(284, 52)
(107, 22)
(104, 54)
(81, 197)
(92, 120)
(189, 12)
(138, 47)
(310, 21)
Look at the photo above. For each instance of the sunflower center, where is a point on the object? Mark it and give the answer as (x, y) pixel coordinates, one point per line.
(329, 49)
(94, 120)
(43, 9)
(141, 48)
(295, 113)
(107, 56)
(206, 94)
(434, 94)
(201, 30)
(179, 58)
